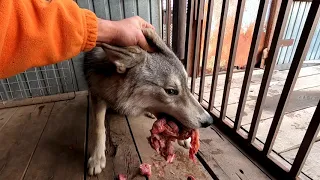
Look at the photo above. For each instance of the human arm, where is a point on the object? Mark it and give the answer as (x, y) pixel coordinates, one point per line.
(35, 33)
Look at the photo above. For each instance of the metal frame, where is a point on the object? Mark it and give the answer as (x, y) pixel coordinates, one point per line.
(39, 85)
(243, 141)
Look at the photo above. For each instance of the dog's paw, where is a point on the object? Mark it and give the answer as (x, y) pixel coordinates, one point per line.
(96, 163)
(150, 115)
(185, 143)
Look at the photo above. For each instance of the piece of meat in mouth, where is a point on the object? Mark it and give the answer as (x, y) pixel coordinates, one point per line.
(165, 131)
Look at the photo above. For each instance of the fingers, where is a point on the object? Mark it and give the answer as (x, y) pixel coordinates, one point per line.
(142, 42)
(145, 24)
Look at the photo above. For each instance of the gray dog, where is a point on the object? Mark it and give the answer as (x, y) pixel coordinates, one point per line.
(132, 81)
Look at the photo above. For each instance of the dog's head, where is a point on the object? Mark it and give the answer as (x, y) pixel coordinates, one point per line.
(153, 82)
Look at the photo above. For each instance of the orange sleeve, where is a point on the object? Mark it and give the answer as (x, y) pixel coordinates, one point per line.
(40, 32)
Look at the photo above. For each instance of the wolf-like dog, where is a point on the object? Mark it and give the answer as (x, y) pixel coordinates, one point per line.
(132, 81)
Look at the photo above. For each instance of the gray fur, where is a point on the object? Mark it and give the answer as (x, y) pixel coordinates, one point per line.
(132, 81)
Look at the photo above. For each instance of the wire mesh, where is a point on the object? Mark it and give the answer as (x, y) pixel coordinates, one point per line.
(38, 82)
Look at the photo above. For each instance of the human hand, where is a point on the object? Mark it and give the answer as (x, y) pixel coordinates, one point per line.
(126, 32)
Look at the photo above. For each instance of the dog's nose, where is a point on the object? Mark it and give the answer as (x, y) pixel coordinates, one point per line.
(207, 123)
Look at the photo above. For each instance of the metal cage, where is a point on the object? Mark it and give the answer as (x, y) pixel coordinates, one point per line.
(39, 85)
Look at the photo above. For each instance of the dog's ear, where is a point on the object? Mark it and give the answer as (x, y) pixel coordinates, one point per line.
(124, 57)
(155, 41)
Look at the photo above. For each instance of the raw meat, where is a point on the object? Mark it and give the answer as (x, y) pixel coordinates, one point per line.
(195, 144)
(191, 178)
(122, 177)
(145, 169)
(164, 132)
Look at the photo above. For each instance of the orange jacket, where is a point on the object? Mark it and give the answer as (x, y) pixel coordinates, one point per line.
(40, 32)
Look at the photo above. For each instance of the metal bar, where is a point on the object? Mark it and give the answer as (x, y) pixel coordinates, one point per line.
(271, 61)
(168, 28)
(256, 38)
(179, 28)
(274, 11)
(288, 41)
(222, 26)
(189, 33)
(40, 77)
(206, 48)
(288, 25)
(162, 19)
(307, 142)
(232, 57)
(196, 57)
(274, 168)
(5, 89)
(299, 57)
(57, 76)
(196, 8)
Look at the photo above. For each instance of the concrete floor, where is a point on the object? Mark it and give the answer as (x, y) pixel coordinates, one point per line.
(299, 111)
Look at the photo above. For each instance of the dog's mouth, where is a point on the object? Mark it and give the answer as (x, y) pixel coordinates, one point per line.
(172, 126)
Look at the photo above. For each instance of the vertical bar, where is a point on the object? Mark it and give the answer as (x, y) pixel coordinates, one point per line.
(57, 76)
(256, 38)
(45, 76)
(271, 61)
(206, 48)
(40, 78)
(222, 27)
(196, 58)
(307, 142)
(299, 57)
(20, 85)
(168, 22)
(303, 19)
(179, 28)
(4, 88)
(232, 57)
(162, 19)
(190, 12)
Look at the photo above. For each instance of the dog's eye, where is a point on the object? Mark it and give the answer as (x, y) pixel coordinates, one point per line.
(171, 91)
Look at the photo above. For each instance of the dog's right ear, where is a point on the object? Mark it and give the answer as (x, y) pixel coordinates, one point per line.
(124, 57)
(156, 42)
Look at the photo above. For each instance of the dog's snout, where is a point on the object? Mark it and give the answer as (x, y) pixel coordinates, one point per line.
(207, 122)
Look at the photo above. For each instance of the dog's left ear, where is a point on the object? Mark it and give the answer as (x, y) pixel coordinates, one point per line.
(124, 57)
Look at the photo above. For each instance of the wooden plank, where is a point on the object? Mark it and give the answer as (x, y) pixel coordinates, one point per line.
(181, 167)
(11, 135)
(221, 154)
(125, 159)
(25, 141)
(60, 152)
(5, 115)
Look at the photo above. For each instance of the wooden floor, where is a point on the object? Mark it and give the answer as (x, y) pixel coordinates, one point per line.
(47, 141)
